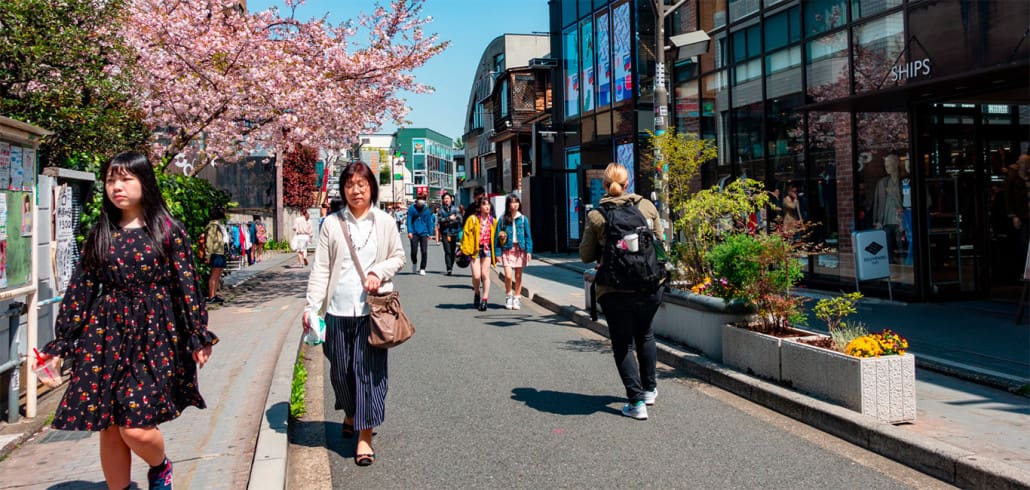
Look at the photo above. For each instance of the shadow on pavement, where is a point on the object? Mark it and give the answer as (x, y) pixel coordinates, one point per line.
(459, 306)
(586, 345)
(562, 403)
(278, 416)
(456, 286)
(345, 448)
(83, 485)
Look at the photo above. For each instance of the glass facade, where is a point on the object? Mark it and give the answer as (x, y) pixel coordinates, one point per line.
(892, 115)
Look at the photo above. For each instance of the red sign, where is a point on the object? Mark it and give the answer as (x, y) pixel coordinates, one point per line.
(421, 190)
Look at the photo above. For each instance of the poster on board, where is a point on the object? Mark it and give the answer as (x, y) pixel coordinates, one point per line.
(622, 43)
(3, 240)
(26, 215)
(28, 160)
(17, 170)
(604, 61)
(5, 165)
(64, 236)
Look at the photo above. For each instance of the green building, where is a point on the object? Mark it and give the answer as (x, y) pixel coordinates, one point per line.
(429, 157)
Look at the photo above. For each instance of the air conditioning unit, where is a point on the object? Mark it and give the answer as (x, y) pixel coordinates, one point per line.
(543, 62)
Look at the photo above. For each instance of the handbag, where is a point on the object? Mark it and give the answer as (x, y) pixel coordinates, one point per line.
(390, 326)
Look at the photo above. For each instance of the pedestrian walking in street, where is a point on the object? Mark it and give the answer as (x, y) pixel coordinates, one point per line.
(448, 224)
(216, 244)
(516, 244)
(478, 243)
(134, 326)
(357, 371)
(472, 208)
(301, 237)
(629, 313)
(420, 226)
(260, 237)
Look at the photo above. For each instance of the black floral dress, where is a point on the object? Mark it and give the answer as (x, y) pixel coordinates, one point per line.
(130, 330)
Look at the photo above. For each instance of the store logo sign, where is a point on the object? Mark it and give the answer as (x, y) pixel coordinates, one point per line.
(874, 248)
(912, 69)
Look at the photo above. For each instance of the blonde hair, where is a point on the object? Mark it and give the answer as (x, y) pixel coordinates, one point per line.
(616, 177)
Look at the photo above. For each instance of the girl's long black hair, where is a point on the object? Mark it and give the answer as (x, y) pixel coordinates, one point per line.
(158, 220)
(509, 216)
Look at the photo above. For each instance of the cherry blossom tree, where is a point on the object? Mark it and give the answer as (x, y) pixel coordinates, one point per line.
(214, 80)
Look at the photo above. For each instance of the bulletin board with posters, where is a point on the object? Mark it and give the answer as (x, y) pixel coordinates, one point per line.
(17, 200)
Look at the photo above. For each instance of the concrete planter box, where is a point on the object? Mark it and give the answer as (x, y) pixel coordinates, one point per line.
(881, 387)
(696, 320)
(690, 319)
(755, 353)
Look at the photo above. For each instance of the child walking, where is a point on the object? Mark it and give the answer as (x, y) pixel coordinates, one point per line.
(477, 242)
(134, 324)
(516, 244)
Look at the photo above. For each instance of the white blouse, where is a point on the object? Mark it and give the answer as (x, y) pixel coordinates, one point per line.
(349, 295)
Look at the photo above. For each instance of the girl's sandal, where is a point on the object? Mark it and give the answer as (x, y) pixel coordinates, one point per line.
(364, 459)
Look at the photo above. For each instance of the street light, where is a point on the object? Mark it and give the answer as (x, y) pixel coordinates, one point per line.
(689, 44)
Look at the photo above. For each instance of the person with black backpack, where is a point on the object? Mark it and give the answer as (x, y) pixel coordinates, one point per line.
(622, 235)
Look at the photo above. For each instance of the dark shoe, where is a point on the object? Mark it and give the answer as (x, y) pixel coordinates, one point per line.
(482, 305)
(348, 431)
(448, 272)
(160, 477)
(365, 459)
(475, 300)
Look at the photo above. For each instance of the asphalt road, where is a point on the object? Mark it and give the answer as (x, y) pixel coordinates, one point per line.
(525, 399)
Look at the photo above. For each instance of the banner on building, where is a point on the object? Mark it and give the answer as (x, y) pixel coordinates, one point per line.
(604, 60)
(622, 41)
(571, 50)
(587, 35)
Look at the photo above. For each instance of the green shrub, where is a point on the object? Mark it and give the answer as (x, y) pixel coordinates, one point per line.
(760, 269)
(843, 334)
(706, 217)
(297, 388)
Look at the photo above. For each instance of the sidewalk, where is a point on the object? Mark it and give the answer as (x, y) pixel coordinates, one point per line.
(247, 391)
(966, 433)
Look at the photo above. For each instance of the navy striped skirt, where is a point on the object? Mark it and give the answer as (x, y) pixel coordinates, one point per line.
(357, 371)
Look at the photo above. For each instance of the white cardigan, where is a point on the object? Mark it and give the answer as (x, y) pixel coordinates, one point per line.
(332, 244)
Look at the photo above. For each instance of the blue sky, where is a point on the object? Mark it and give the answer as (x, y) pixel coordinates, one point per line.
(468, 24)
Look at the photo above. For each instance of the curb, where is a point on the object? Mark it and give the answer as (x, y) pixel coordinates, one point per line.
(992, 379)
(268, 471)
(943, 461)
(46, 403)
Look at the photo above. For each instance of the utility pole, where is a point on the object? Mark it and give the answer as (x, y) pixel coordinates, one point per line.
(661, 112)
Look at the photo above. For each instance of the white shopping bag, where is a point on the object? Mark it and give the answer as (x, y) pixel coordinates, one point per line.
(316, 334)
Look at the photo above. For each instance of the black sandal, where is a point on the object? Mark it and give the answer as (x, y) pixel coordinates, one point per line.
(348, 431)
(364, 459)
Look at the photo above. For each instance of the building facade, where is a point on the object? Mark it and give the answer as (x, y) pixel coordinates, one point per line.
(893, 115)
(429, 157)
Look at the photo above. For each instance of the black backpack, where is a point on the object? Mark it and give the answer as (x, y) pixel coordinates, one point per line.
(620, 268)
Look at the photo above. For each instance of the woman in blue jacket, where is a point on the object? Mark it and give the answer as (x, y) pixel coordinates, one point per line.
(516, 244)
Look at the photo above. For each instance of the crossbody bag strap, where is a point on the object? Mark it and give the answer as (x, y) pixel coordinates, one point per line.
(350, 246)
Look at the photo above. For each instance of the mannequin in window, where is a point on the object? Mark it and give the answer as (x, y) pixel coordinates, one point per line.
(906, 210)
(887, 204)
(791, 210)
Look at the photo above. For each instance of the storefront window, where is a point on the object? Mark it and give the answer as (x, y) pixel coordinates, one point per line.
(879, 46)
(688, 108)
(866, 8)
(748, 140)
(824, 15)
(883, 174)
(831, 196)
(828, 67)
(571, 50)
(982, 34)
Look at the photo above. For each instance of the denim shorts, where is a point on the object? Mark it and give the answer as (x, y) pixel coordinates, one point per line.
(484, 253)
(218, 261)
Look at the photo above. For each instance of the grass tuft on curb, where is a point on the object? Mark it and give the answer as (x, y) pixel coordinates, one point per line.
(300, 378)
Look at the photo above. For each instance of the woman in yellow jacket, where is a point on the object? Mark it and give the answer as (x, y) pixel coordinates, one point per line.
(477, 243)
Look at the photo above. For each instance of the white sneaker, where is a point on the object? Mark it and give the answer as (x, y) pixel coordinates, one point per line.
(516, 303)
(636, 410)
(422, 272)
(509, 302)
(650, 396)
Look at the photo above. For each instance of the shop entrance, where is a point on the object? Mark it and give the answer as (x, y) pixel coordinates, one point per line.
(966, 149)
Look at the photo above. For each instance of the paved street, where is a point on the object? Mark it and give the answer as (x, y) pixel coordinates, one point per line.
(525, 399)
(212, 448)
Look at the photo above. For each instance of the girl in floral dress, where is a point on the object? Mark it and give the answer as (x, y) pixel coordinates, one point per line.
(134, 325)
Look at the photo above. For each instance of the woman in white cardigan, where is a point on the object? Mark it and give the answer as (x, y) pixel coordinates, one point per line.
(357, 370)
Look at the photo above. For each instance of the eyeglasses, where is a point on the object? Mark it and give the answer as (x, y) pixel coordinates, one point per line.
(360, 185)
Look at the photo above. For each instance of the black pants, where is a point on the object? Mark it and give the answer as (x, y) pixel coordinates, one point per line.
(419, 242)
(450, 244)
(629, 318)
